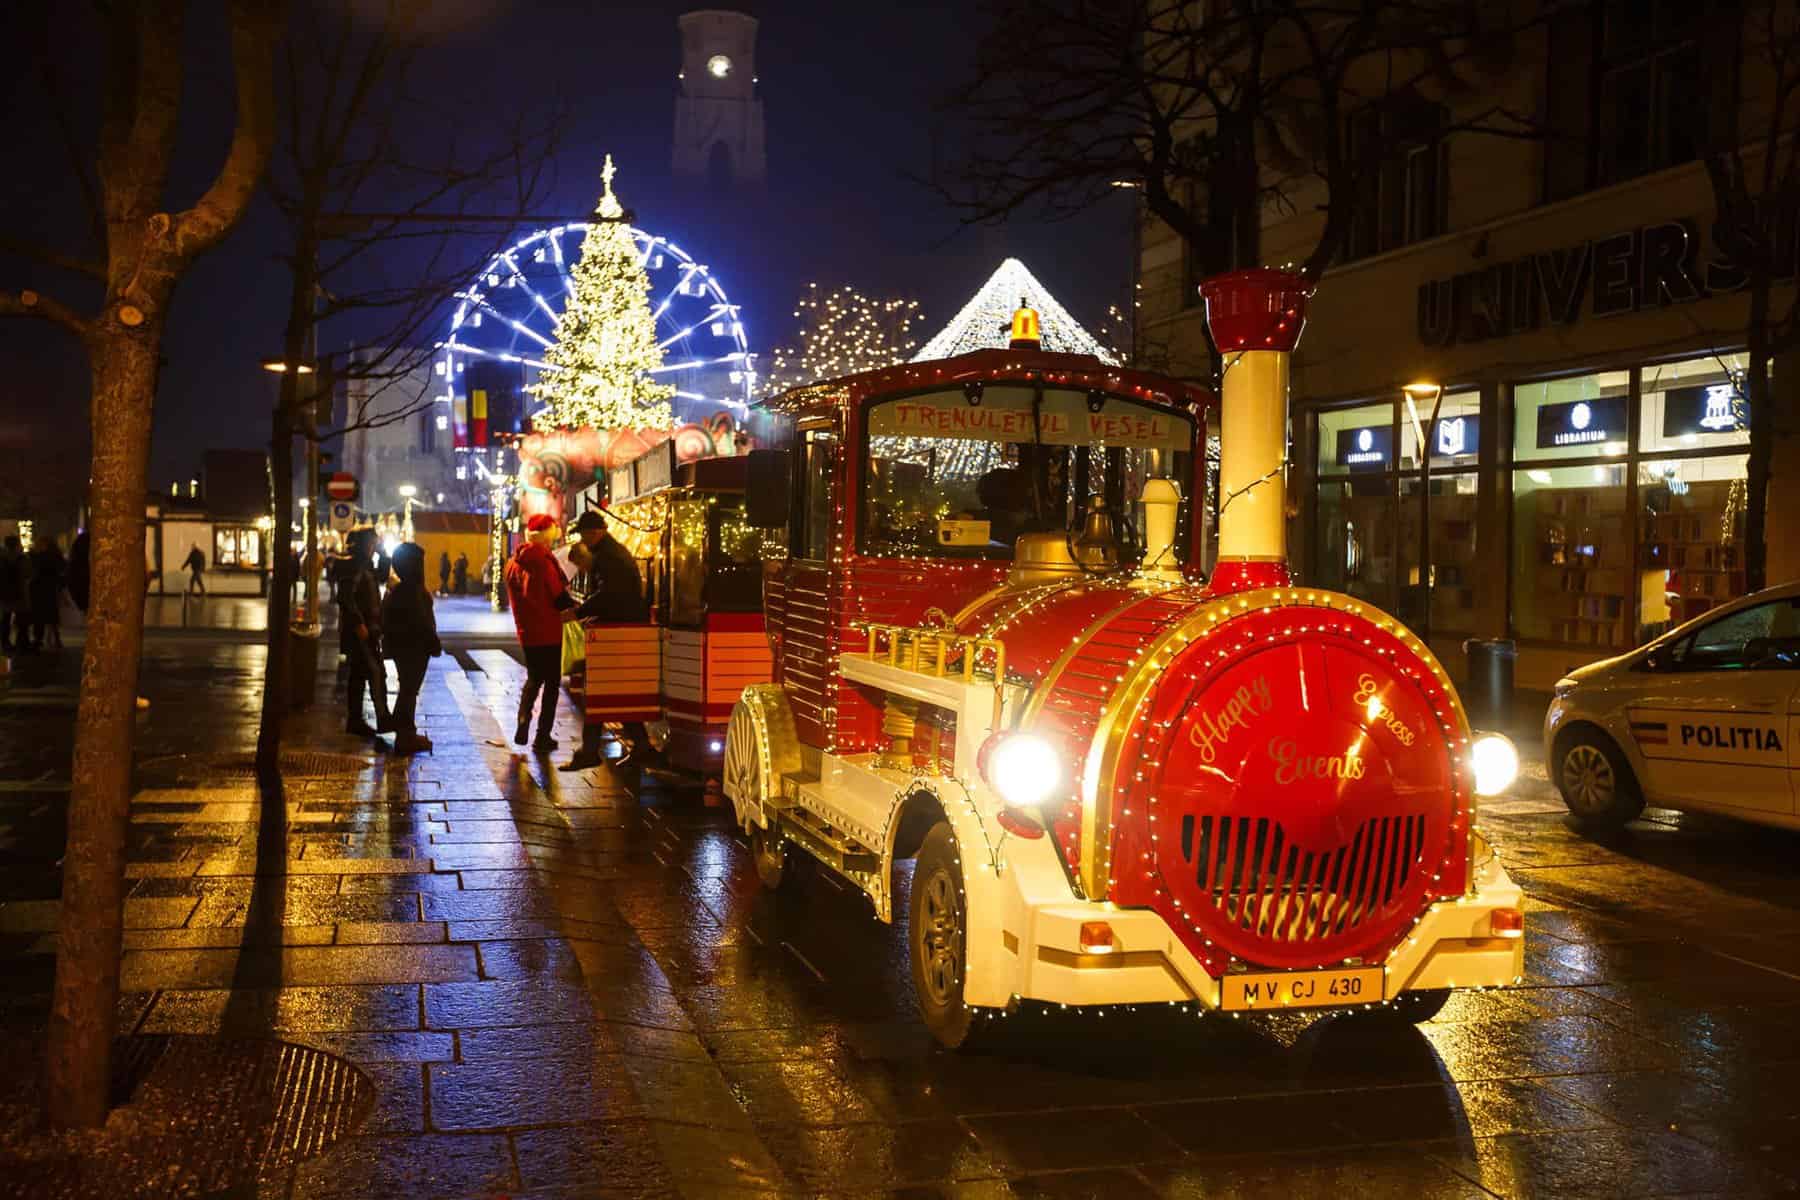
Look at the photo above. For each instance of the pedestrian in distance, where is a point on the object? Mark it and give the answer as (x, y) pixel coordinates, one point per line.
(409, 637)
(12, 596)
(195, 562)
(444, 573)
(617, 595)
(462, 573)
(359, 634)
(540, 604)
(44, 590)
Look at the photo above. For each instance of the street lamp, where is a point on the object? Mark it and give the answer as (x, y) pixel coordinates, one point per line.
(1416, 395)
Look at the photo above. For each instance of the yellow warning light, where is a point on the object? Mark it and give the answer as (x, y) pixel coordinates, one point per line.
(1024, 328)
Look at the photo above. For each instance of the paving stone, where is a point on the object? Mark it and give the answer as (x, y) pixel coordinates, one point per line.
(530, 1091)
(438, 1165)
(381, 1047)
(1071, 1139)
(1374, 1171)
(354, 933)
(1605, 1163)
(298, 966)
(301, 866)
(281, 1010)
(504, 1002)
(618, 1155)
(394, 884)
(569, 1040)
(226, 936)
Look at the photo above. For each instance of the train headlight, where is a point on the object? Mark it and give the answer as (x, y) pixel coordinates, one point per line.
(1496, 764)
(1023, 768)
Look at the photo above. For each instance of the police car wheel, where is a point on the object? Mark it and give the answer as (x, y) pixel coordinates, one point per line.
(1595, 781)
(936, 935)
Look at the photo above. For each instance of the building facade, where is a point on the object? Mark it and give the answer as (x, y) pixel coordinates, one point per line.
(1566, 316)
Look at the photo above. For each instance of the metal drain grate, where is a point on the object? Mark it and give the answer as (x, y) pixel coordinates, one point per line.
(295, 764)
(195, 1116)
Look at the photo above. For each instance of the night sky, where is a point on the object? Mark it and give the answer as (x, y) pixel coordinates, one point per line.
(848, 93)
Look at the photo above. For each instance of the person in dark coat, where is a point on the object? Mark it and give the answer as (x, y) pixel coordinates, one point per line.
(44, 589)
(444, 573)
(409, 637)
(540, 604)
(12, 596)
(195, 563)
(359, 634)
(462, 573)
(616, 594)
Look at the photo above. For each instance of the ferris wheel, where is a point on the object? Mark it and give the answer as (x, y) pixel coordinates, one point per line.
(506, 318)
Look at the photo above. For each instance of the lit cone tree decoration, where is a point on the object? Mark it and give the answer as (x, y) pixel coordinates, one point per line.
(843, 332)
(597, 372)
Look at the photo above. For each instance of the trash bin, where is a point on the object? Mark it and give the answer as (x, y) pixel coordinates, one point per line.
(303, 665)
(1488, 695)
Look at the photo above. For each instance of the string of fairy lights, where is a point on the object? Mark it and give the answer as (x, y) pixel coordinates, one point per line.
(843, 332)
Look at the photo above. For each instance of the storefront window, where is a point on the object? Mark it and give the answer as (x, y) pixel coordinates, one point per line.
(1355, 538)
(1583, 416)
(1455, 575)
(237, 547)
(1356, 440)
(1690, 539)
(1456, 439)
(1572, 557)
(1696, 404)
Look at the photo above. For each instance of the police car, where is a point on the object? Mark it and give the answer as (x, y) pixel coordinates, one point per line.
(1705, 717)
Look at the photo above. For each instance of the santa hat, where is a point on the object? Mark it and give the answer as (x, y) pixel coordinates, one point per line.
(540, 523)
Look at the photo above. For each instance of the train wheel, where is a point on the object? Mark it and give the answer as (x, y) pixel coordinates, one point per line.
(743, 767)
(1419, 1007)
(937, 937)
(770, 851)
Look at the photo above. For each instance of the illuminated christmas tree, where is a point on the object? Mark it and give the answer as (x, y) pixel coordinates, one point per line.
(598, 371)
(843, 332)
(985, 319)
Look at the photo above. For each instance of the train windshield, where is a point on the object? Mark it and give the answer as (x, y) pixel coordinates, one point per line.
(962, 473)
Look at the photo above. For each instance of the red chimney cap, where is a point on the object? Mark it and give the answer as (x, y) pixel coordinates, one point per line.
(1258, 309)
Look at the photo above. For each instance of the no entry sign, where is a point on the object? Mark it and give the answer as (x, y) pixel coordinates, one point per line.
(342, 486)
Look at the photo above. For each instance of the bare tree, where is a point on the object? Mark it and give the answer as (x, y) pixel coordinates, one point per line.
(1215, 111)
(353, 141)
(840, 331)
(142, 249)
(1755, 176)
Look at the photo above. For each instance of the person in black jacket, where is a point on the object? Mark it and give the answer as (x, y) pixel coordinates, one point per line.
(617, 595)
(409, 636)
(359, 633)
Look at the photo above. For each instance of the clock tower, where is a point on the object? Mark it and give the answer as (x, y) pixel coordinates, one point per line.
(718, 116)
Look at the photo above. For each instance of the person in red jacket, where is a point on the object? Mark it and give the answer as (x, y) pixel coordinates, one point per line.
(540, 605)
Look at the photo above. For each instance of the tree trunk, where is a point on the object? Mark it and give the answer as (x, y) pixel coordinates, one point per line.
(281, 584)
(85, 996)
(1762, 439)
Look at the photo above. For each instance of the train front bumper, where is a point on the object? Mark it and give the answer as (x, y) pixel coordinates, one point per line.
(1052, 955)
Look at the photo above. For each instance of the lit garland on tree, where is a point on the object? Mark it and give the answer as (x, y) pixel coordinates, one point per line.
(984, 321)
(843, 332)
(597, 373)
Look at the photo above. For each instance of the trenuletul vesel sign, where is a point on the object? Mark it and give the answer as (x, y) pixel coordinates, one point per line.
(1004, 415)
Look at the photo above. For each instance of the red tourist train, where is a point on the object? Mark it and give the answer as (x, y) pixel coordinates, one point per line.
(993, 653)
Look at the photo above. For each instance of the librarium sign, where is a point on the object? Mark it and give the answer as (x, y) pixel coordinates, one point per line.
(1650, 267)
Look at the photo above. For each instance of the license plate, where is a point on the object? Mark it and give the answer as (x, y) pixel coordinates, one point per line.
(1303, 989)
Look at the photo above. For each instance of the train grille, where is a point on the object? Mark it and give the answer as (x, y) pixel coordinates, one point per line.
(1257, 880)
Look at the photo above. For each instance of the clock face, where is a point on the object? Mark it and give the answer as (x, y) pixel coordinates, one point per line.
(718, 66)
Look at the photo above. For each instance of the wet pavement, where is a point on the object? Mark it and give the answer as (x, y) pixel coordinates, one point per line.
(564, 986)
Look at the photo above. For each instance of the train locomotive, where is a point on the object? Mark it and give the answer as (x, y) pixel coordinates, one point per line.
(993, 654)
